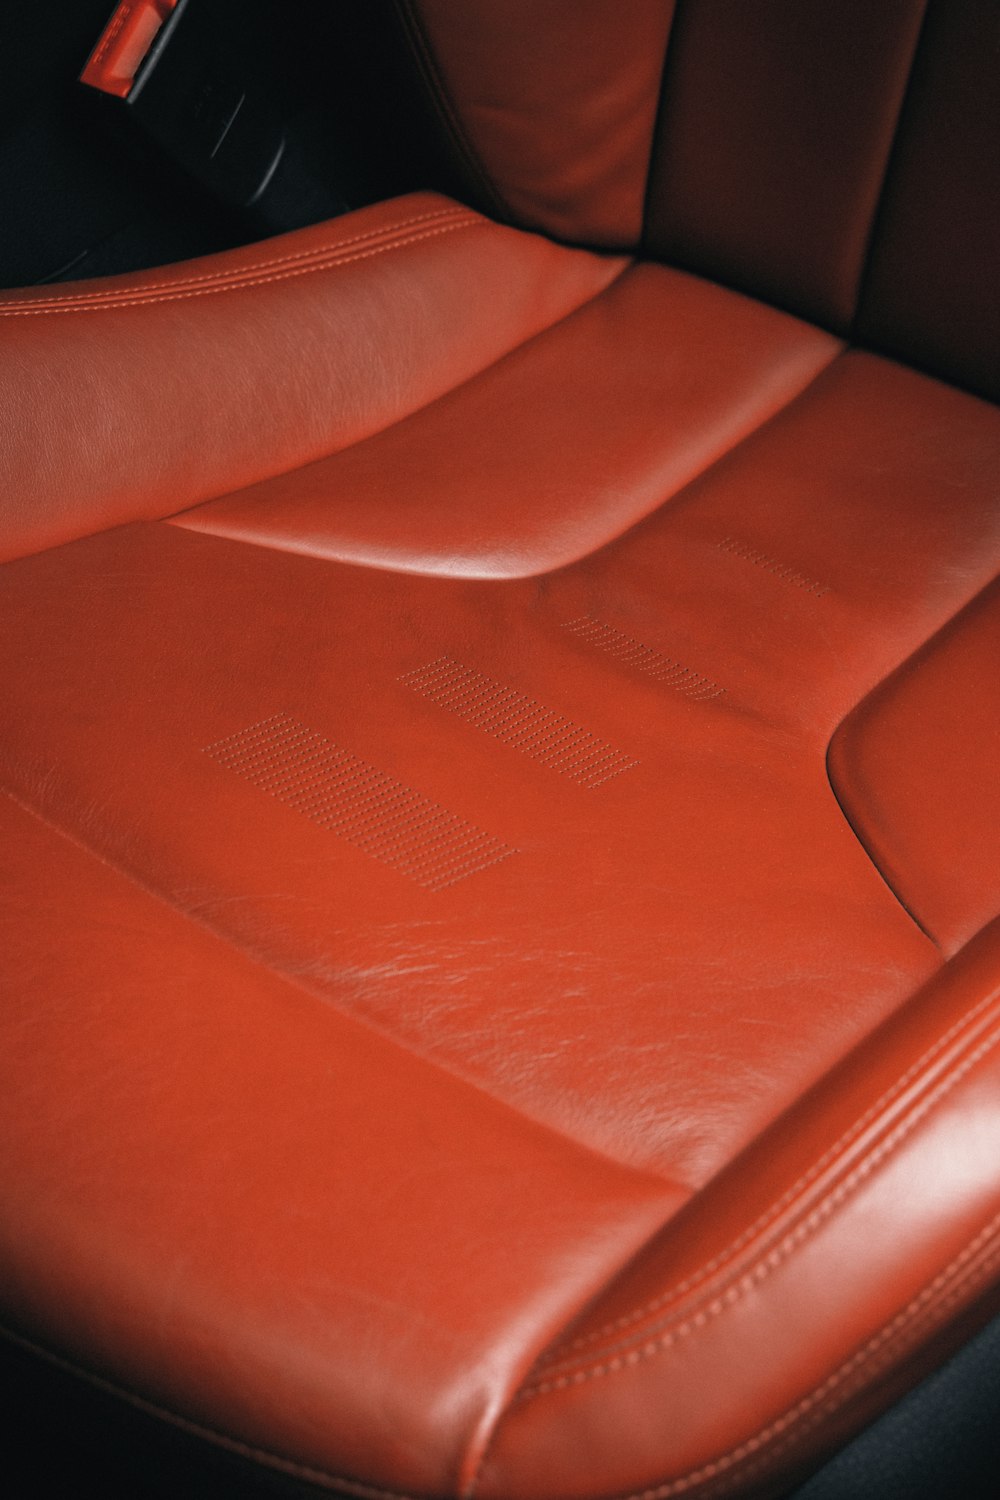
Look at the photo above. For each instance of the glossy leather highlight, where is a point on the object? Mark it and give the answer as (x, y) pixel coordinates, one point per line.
(672, 370)
(883, 1176)
(659, 1023)
(131, 397)
(501, 980)
(930, 815)
(200, 1227)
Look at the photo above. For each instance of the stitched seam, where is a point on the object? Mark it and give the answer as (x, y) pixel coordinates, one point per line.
(371, 236)
(927, 1301)
(198, 1429)
(902, 1324)
(635, 1353)
(214, 278)
(233, 285)
(817, 1169)
(949, 1287)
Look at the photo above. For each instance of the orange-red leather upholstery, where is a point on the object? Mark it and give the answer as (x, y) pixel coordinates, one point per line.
(550, 105)
(134, 396)
(928, 815)
(839, 161)
(501, 966)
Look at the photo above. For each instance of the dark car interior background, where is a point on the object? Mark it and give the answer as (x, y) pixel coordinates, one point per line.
(500, 833)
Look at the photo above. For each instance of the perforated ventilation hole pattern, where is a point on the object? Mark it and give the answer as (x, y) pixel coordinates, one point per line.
(379, 815)
(772, 565)
(518, 721)
(640, 658)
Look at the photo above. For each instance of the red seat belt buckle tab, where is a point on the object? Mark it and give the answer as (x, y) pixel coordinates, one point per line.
(124, 45)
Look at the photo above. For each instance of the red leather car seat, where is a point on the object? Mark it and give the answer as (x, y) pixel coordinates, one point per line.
(501, 969)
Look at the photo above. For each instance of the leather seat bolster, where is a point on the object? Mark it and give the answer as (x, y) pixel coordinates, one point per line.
(932, 830)
(670, 370)
(130, 398)
(868, 1215)
(499, 920)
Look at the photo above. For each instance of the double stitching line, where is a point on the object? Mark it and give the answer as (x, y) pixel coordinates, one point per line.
(966, 1272)
(370, 236)
(632, 1353)
(318, 260)
(850, 1136)
(951, 1282)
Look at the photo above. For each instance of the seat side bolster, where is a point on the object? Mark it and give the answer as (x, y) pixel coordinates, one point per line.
(804, 1283)
(133, 397)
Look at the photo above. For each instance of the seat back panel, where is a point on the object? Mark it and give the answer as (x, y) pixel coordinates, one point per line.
(775, 132)
(932, 295)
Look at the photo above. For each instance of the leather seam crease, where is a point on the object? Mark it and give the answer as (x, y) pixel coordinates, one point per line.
(235, 284)
(635, 1352)
(440, 100)
(948, 1288)
(790, 1244)
(209, 278)
(322, 997)
(950, 1281)
(806, 1180)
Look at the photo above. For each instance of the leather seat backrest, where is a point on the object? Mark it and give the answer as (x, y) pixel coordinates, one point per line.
(841, 161)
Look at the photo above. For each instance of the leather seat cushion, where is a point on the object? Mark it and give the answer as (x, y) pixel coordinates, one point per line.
(430, 881)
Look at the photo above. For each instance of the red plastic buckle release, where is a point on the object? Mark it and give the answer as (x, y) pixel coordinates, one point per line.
(124, 42)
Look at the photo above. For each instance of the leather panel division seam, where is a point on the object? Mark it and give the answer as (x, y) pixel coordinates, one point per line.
(385, 237)
(918, 1073)
(931, 835)
(745, 1281)
(958, 1283)
(139, 298)
(439, 98)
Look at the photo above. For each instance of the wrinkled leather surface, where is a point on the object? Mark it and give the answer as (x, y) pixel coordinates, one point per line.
(680, 938)
(456, 1038)
(772, 1286)
(188, 1204)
